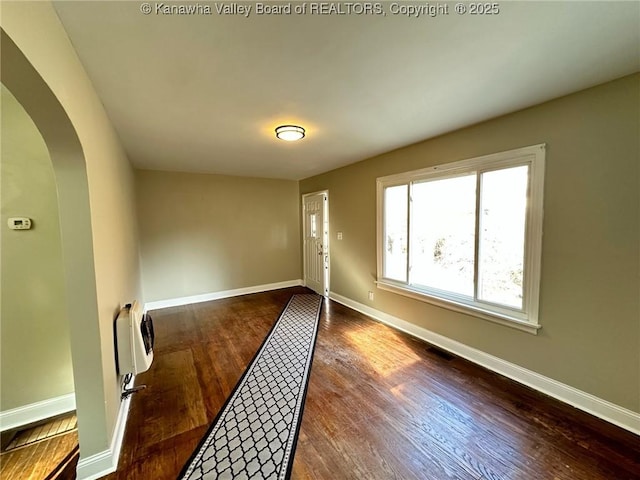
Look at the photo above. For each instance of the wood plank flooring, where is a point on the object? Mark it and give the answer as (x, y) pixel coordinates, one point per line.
(48, 429)
(380, 405)
(53, 458)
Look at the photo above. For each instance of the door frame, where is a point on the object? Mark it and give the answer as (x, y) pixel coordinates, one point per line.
(325, 239)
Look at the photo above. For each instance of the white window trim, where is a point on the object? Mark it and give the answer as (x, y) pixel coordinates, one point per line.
(527, 319)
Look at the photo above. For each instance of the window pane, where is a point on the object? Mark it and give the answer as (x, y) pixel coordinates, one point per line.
(503, 203)
(312, 226)
(443, 234)
(395, 232)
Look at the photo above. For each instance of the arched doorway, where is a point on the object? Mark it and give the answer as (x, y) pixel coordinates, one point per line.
(67, 157)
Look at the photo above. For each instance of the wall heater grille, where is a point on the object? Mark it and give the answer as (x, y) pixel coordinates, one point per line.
(134, 340)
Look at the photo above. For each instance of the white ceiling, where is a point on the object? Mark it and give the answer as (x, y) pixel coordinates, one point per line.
(203, 93)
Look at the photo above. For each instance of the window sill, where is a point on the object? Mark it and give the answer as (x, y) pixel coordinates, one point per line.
(462, 308)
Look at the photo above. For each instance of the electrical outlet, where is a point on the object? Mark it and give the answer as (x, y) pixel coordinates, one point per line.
(339, 235)
(370, 295)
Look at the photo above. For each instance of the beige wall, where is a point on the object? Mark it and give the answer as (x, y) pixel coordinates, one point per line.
(209, 233)
(590, 265)
(95, 189)
(34, 331)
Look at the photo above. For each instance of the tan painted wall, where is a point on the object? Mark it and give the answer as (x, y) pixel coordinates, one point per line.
(590, 273)
(209, 233)
(34, 331)
(37, 31)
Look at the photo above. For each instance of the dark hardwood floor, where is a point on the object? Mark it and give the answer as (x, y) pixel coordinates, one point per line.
(380, 405)
(53, 458)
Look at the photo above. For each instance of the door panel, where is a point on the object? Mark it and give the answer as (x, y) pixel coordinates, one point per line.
(316, 254)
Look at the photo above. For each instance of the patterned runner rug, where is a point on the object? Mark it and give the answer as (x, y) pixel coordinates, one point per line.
(254, 435)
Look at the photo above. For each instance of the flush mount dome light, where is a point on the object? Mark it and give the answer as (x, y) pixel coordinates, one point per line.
(290, 133)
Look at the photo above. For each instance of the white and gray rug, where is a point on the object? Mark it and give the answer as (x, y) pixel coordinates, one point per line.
(254, 435)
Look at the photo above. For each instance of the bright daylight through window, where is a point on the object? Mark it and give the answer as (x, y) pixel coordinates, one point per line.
(467, 235)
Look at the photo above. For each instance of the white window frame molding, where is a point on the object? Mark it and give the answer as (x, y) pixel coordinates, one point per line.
(526, 319)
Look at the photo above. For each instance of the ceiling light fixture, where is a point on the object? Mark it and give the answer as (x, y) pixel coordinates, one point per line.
(290, 133)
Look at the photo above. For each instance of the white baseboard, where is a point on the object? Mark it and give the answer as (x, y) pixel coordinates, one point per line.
(622, 417)
(34, 412)
(106, 462)
(95, 466)
(206, 297)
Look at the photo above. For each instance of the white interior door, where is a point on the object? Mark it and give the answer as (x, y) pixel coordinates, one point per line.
(316, 241)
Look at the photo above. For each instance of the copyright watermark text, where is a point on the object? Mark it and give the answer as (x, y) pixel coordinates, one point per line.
(159, 8)
(408, 9)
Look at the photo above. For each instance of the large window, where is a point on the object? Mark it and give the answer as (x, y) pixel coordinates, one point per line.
(467, 235)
